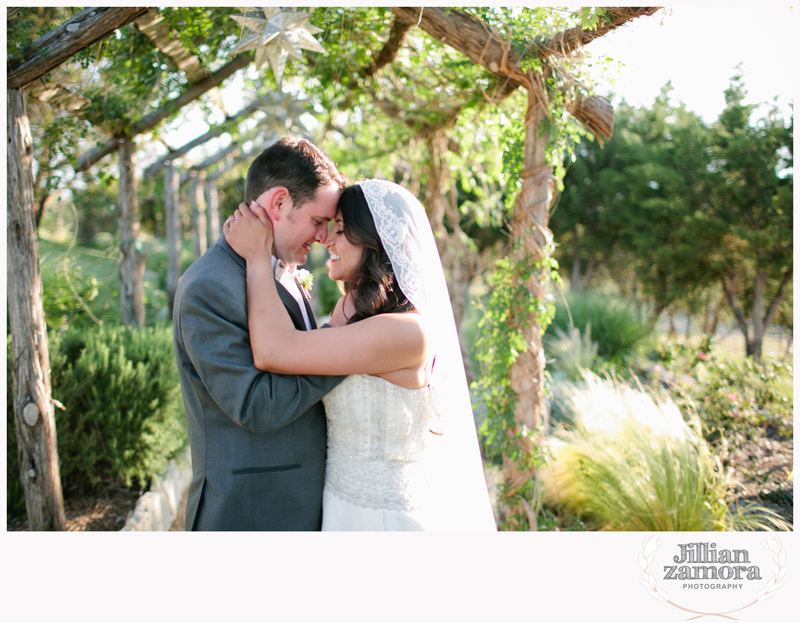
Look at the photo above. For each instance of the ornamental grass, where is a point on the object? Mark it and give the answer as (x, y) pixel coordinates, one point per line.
(626, 460)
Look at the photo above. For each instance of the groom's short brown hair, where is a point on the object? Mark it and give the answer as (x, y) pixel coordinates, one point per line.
(295, 163)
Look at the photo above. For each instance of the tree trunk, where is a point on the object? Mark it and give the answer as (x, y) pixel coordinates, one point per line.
(34, 420)
(758, 314)
(213, 223)
(460, 263)
(576, 261)
(591, 266)
(173, 227)
(45, 202)
(729, 286)
(131, 268)
(199, 235)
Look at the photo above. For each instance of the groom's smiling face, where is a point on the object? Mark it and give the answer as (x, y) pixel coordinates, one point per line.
(296, 229)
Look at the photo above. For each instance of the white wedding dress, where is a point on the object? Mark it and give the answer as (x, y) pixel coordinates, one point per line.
(386, 470)
(375, 477)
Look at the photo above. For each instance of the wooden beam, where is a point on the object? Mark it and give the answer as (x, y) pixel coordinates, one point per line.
(173, 227)
(77, 33)
(390, 49)
(159, 164)
(470, 36)
(192, 171)
(57, 95)
(148, 122)
(569, 41)
(152, 26)
(488, 48)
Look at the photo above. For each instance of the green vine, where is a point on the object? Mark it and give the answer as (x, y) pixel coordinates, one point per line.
(510, 310)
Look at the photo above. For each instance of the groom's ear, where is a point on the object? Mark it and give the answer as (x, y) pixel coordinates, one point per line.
(279, 204)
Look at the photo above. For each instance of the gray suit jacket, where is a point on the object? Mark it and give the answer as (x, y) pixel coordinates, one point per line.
(258, 439)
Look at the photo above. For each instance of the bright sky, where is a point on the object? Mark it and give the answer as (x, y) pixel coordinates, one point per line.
(698, 49)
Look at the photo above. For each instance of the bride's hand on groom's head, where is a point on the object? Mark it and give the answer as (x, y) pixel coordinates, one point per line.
(261, 213)
(248, 233)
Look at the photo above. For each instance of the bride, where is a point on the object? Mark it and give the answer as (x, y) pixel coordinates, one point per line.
(402, 448)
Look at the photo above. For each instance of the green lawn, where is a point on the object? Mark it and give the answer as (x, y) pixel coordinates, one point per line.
(103, 265)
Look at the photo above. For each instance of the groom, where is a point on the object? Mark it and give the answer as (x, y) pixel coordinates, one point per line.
(258, 439)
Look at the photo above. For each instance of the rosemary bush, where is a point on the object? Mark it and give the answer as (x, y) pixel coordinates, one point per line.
(122, 416)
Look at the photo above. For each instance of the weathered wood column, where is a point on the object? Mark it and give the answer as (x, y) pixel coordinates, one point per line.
(212, 212)
(199, 235)
(459, 261)
(173, 226)
(131, 267)
(532, 237)
(33, 410)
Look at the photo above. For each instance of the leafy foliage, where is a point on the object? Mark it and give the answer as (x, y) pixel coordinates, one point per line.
(614, 323)
(735, 401)
(572, 352)
(66, 295)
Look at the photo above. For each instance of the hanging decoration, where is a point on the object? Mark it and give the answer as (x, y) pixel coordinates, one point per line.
(276, 35)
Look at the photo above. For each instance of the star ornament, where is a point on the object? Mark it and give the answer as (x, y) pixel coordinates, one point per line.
(278, 35)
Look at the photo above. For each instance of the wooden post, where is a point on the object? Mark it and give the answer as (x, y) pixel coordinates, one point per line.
(131, 267)
(34, 420)
(173, 227)
(532, 237)
(212, 212)
(198, 216)
(460, 263)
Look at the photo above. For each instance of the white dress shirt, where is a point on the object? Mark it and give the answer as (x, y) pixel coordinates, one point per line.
(294, 290)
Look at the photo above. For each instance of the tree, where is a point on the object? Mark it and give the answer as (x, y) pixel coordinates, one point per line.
(663, 212)
(584, 221)
(752, 208)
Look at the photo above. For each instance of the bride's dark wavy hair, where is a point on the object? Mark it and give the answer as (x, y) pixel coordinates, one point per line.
(377, 290)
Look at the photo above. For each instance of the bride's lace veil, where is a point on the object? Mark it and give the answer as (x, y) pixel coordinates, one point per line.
(454, 468)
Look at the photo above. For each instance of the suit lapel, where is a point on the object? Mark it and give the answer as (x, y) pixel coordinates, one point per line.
(291, 306)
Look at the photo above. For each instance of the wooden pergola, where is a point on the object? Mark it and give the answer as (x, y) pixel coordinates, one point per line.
(465, 33)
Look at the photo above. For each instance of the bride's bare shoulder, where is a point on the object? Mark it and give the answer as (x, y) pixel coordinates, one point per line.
(407, 319)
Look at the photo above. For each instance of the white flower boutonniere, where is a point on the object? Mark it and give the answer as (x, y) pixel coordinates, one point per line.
(306, 280)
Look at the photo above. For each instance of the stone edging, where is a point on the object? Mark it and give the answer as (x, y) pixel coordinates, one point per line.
(156, 510)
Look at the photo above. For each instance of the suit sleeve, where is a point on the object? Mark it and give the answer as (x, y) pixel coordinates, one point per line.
(219, 350)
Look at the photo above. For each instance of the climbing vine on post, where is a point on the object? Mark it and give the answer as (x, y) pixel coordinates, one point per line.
(510, 311)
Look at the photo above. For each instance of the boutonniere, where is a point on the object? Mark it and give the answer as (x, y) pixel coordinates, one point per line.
(306, 280)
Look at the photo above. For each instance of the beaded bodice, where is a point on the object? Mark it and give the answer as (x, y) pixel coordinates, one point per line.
(377, 432)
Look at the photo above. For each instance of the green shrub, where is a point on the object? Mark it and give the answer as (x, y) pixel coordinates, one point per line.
(123, 414)
(615, 325)
(731, 398)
